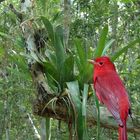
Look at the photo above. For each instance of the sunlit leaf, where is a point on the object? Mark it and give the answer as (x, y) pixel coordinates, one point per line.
(124, 49)
(108, 44)
(57, 16)
(101, 42)
(84, 111)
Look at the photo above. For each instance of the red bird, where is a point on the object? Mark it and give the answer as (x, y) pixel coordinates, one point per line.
(111, 91)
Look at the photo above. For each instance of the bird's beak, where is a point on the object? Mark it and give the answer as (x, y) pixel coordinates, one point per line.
(91, 61)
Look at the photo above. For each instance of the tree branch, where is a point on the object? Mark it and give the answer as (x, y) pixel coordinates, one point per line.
(60, 111)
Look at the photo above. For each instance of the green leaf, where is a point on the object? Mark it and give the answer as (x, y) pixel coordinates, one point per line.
(85, 93)
(48, 128)
(53, 83)
(98, 118)
(84, 105)
(51, 69)
(81, 55)
(5, 35)
(98, 114)
(49, 28)
(43, 4)
(57, 16)
(68, 71)
(108, 44)
(74, 92)
(20, 61)
(124, 49)
(75, 96)
(51, 56)
(2, 52)
(101, 43)
(20, 42)
(60, 32)
(59, 51)
(80, 51)
(127, 1)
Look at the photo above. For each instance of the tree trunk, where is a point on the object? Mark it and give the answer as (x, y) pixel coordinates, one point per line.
(67, 19)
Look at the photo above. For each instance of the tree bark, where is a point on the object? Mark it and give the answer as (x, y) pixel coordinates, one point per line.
(114, 24)
(67, 19)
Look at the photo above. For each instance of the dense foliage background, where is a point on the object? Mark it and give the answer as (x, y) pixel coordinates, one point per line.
(82, 26)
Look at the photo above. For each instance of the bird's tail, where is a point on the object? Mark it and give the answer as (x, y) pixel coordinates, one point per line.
(123, 132)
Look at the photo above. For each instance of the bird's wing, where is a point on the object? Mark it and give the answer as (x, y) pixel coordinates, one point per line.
(108, 89)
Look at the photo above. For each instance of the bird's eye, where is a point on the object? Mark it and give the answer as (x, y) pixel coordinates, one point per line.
(100, 63)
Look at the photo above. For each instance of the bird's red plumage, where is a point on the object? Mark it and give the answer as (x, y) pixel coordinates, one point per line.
(111, 91)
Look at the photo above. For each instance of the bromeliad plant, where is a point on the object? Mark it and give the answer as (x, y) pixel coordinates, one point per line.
(70, 69)
(59, 65)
